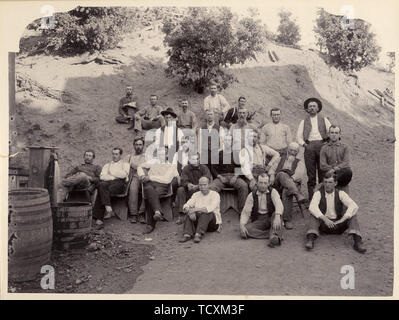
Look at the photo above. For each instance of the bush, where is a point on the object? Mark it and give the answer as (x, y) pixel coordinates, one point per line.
(391, 64)
(288, 30)
(206, 40)
(348, 48)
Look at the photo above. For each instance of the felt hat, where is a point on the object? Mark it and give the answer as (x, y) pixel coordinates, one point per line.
(169, 111)
(306, 103)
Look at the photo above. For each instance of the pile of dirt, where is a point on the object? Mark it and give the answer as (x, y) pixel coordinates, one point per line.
(107, 265)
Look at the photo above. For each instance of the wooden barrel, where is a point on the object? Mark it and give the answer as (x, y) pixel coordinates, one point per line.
(30, 233)
(72, 224)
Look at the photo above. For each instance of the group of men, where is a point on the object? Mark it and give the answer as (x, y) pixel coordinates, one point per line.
(192, 163)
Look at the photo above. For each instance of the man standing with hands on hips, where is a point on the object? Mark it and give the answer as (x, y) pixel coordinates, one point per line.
(312, 134)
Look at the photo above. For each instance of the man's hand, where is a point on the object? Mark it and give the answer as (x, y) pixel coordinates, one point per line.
(219, 228)
(190, 187)
(144, 178)
(127, 179)
(233, 180)
(252, 184)
(192, 215)
(244, 231)
(340, 221)
(277, 222)
(328, 222)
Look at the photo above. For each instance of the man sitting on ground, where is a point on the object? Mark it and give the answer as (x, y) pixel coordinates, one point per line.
(263, 208)
(114, 177)
(135, 159)
(328, 214)
(203, 210)
(157, 174)
(289, 173)
(190, 182)
(127, 104)
(84, 176)
(149, 117)
(334, 157)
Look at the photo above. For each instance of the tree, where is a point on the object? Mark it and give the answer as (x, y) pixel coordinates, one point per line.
(349, 47)
(288, 30)
(205, 41)
(391, 64)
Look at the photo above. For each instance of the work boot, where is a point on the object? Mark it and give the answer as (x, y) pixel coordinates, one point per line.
(358, 245)
(274, 241)
(133, 219)
(310, 241)
(142, 218)
(197, 238)
(185, 238)
(148, 229)
(158, 216)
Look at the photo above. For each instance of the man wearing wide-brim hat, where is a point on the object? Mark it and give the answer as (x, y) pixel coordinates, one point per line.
(312, 134)
(128, 106)
(169, 135)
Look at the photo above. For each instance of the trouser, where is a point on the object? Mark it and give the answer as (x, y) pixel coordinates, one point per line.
(153, 190)
(282, 151)
(284, 180)
(262, 227)
(123, 119)
(287, 203)
(144, 124)
(312, 163)
(79, 180)
(317, 226)
(183, 195)
(135, 199)
(257, 170)
(105, 189)
(204, 222)
(241, 186)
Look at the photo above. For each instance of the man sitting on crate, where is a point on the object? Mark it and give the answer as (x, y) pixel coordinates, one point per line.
(136, 158)
(156, 175)
(289, 173)
(114, 177)
(254, 159)
(261, 216)
(83, 176)
(203, 210)
(227, 172)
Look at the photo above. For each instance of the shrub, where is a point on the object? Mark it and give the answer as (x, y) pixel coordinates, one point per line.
(288, 30)
(206, 40)
(348, 48)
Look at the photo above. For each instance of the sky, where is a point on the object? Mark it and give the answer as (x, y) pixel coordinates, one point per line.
(383, 16)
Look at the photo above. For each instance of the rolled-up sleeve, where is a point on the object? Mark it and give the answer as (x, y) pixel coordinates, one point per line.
(299, 134)
(245, 163)
(246, 211)
(314, 205)
(275, 158)
(278, 205)
(351, 205)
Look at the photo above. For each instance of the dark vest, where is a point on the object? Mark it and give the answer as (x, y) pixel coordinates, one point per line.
(307, 127)
(269, 204)
(339, 206)
(281, 165)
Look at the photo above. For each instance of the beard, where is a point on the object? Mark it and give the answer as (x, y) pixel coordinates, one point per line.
(241, 122)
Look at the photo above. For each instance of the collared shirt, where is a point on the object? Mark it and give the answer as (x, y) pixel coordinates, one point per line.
(218, 104)
(351, 205)
(300, 170)
(135, 160)
(91, 170)
(257, 156)
(314, 134)
(187, 119)
(334, 155)
(150, 112)
(115, 170)
(168, 135)
(158, 172)
(277, 136)
(211, 202)
(262, 205)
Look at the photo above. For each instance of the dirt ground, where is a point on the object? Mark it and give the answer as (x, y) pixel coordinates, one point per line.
(222, 263)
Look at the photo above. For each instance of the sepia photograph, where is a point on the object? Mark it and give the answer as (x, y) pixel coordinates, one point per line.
(202, 149)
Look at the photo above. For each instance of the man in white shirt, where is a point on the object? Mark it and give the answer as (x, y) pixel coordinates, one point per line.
(328, 214)
(113, 179)
(312, 134)
(216, 102)
(290, 173)
(157, 174)
(203, 210)
(254, 160)
(277, 135)
(263, 209)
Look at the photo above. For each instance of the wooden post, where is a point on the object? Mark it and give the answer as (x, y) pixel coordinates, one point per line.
(38, 162)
